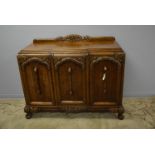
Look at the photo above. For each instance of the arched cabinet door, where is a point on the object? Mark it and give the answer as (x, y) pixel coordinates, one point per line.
(37, 78)
(70, 80)
(105, 79)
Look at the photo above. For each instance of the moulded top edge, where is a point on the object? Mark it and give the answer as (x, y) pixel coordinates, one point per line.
(75, 37)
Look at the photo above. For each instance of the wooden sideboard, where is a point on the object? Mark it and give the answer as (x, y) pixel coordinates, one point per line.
(72, 74)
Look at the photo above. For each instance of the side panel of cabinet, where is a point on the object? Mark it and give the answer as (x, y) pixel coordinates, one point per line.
(70, 76)
(37, 80)
(105, 80)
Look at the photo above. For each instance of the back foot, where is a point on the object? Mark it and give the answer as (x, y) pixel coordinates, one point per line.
(120, 116)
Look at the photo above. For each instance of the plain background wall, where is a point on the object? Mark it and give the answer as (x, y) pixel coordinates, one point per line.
(137, 41)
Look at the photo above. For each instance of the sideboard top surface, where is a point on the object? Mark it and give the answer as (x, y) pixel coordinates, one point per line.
(74, 43)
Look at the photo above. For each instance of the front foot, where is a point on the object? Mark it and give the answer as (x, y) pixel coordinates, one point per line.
(28, 111)
(120, 113)
(120, 116)
(28, 115)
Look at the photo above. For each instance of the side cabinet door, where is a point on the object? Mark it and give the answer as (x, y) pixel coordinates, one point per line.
(105, 76)
(37, 79)
(70, 80)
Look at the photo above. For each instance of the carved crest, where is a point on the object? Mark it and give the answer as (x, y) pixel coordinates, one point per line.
(72, 37)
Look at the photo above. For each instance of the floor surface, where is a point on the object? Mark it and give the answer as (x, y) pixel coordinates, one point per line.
(139, 114)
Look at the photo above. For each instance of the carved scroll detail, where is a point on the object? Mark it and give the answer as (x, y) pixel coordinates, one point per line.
(23, 60)
(73, 37)
(97, 59)
(60, 60)
(30, 109)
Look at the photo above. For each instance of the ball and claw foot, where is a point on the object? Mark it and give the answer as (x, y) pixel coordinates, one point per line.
(28, 115)
(120, 116)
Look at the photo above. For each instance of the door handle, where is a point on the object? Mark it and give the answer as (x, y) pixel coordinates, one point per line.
(104, 77)
(35, 69)
(70, 80)
(104, 74)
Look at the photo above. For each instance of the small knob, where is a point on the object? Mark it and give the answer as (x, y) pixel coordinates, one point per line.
(105, 68)
(69, 70)
(70, 92)
(104, 76)
(35, 69)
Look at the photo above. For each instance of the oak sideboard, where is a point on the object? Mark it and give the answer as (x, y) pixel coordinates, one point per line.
(72, 74)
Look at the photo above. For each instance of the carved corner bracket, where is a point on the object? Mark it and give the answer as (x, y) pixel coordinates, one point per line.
(30, 109)
(120, 57)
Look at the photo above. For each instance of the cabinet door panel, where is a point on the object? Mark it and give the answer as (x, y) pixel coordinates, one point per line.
(104, 80)
(70, 77)
(38, 81)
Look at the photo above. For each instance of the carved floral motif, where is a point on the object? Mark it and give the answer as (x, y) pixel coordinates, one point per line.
(73, 37)
(30, 109)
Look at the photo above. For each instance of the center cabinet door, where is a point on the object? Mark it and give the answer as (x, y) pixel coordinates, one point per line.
(104, 80)
(70, 74)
